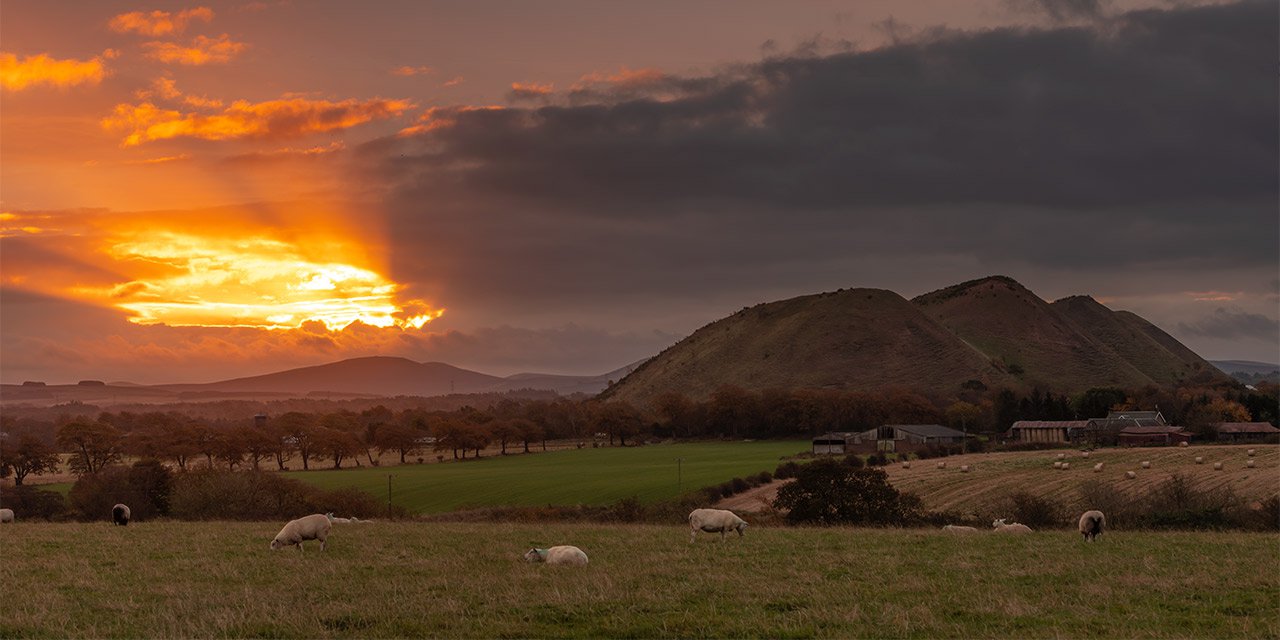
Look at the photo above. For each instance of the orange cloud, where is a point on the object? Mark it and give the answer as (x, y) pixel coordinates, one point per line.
(285, 118)
(203, 50)
(412, 71)
(439, 117)
(453, 82)
(158, 23)
(624, 77)
(526, 90)
(42, 69)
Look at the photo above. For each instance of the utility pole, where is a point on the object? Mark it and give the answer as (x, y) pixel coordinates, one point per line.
(389, 495)
(679, 475)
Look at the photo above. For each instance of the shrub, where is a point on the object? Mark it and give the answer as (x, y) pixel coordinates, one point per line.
(30, 502)
(786, 470)
(1035, 511)
(877, 459)
(255, 495)
(738, 485)
(764, 477)
(831, 492)
(1178, 504)
(854, 462)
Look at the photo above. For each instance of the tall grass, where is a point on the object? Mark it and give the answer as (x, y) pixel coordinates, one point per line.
(395, 579)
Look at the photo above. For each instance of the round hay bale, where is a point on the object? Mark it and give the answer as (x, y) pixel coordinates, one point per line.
(1130, 475)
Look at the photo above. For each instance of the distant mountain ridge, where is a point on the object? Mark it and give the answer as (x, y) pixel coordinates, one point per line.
(992, 330)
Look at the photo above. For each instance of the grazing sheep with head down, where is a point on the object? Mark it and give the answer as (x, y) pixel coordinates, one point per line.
(1091, 524)
(6, 515)
(714, 520)
(120, 515)
(999, 526)
(312, 527)
(563, 554)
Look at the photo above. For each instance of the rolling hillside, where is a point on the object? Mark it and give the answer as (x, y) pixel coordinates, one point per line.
(374, 375)
(848, 339)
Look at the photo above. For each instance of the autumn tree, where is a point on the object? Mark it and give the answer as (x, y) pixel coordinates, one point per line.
(504, 430)
(336, 444)
(530, 431)
(399, 437)
(258, 443)
(30, 455)
(830, 492)
(93, 445)
(300, 429)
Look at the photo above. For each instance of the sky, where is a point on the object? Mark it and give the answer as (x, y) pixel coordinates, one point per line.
(191, 192)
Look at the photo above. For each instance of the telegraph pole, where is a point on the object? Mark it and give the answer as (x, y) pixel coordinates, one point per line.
(679, 475)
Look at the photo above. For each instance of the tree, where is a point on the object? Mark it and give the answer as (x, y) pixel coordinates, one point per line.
(30, 456)
(530, 431)
(504, 430)
(93, 445)
(300, 429)
(258, 443)
(336, 444)
(398, 437)
(830, 491)
(619, 419)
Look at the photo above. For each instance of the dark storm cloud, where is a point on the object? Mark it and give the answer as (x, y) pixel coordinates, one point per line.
(1062, 10)
(1230, 324)
(1147, 138)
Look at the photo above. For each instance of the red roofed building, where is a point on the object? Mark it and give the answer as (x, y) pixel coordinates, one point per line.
(1245, 431)
(1136, 436)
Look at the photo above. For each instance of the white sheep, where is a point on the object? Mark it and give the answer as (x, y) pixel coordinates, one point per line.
(999, 526)
(1091, 524)
(563, 554)
(964, 468)
(6, 515)
(1130, 475)
(1217, 466)
(713, 520)
(313, 527)
(958, 528)
(120, 515)
(335, 519)
(1146, 464)
(1199, 459)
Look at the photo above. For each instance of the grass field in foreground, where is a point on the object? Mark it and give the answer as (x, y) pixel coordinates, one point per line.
(397, 579)
(585, 476)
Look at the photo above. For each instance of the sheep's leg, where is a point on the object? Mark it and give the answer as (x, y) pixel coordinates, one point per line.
(322, 541)
(693, 533)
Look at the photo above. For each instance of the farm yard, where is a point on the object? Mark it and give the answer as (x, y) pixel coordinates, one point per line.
(393, 579)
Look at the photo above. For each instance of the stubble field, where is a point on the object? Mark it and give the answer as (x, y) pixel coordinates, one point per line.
(394, 579)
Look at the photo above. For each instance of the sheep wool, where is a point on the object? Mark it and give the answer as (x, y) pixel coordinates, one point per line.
(120, 515)
(562, 554)
(715, 520)
(1091, 524)
(6, 515)
(999, 526)
(313, 527)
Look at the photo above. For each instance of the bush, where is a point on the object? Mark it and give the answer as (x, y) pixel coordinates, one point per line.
(29, 502)
(255, 495)
(786, 470)
(831, 492)
(1035, 511)
(877, 459)
(145, 487)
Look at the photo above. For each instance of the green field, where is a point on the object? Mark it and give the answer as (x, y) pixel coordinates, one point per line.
(397, 579)
(584, 476)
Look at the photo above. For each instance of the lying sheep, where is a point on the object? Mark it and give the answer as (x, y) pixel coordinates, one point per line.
(333, 518)
(713, 520)
(313, 527)
(563, 554)
(1091, 523)
(120, 515)
(6, 515)
(999, 526)
(958, 528)
(1130, 475)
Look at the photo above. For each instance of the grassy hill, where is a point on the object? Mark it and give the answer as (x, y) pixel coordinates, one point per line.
(849, 339)
(1005, 321)
(402, 579)
(584, 476)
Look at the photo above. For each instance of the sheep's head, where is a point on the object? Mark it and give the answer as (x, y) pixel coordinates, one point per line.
(535, 555)
(276, 544)
(742, 527)
(997, 523)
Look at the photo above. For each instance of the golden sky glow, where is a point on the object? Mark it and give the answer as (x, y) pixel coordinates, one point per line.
(158, 23)
(201, 50)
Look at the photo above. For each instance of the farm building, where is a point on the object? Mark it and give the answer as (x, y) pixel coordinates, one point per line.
(1106, 431)
(1153, 435)
(907, 437)
(838, 442)
(1245, 431)
(1047, 431)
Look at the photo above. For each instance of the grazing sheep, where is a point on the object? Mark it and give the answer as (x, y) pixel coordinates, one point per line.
(1146, 464)
(1199, 459)
(313, 527)
(1249, 453)
(964, 468)
(942, 465)
(1217, 466)
(1097, 467)
(1130, 475)
(563, 554)
(6, 515)
(1249, 463)
(713, 520)
(958, 528)
(999, 526)
(1091, 524)
(120, 515)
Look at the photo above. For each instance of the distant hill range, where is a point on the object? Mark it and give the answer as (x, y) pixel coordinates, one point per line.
(1248, 371)
(992, 330)
(377, 376)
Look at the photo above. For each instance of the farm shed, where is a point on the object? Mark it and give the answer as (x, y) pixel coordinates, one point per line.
(1106, 431)
(1245, 431)
(1047, 431)
(837, 442)
(1146, 436)
(908, 437)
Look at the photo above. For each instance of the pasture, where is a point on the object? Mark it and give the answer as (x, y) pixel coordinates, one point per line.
(585, 476)
(395, 579)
